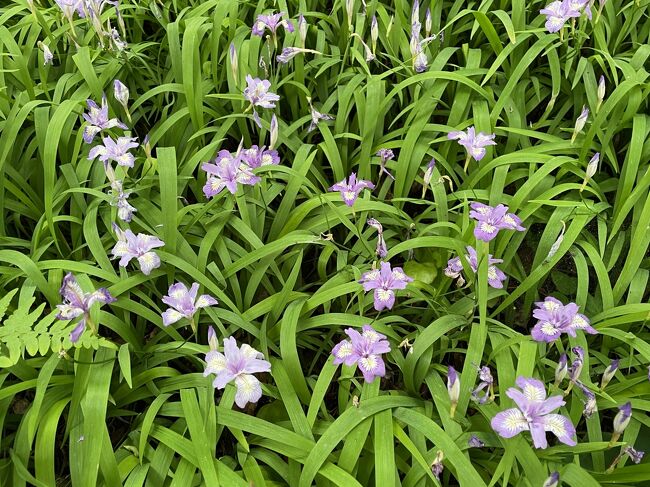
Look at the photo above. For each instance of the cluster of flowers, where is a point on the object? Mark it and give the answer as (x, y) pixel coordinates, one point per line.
(534, 411)
(558, 12)
(92, 10)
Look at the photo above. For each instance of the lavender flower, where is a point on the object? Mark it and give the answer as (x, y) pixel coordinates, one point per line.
(453, 389)
(496, 277)
(385, 155)
(553, 480)
(316, 116)
(533, 413)
(227, 171)
(115, 150)
(473, 143)
(475, 442)
(418, 56)
(577, 7)
(491, 220)
(384, 281)
(487, 381)
(363, 349)
(257, 157)
(98, 120)
(272, 22)
(238, 364)
(608, 374)
(77, 303)
(555, 318)
(580, 123)
(130, 246)
(381, 251)
(351, 188)
(184, 303)
(288, 53)
(557, 13)
(258, 94)
(70, 7)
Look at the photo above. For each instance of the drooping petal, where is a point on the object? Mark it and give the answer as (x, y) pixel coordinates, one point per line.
(223, 378)
(77, 331)
(560, 426)
(148, 262)
(216, 362)
(248, 390)
(171, 316)
(509, 423)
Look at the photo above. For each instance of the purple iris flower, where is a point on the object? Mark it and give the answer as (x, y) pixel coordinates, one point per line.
(351, 188)
(496, 277)
(363, 349)
(576, 7)
(534, 413)
(98, 120)
(271, 22)
(557, 13)
(591, 407)
(555, 318)
(437, 467)
(227, 171)
(77, 303)
(115, 150)
(238, 364)
(184, 302)
(487, 381)
(257, 92)
(130, 246)
(384, 281)
(69, 7)
(385, 155)
(258, 156)
(492, 219)
(474, 143)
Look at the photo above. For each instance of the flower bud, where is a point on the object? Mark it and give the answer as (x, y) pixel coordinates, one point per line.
(274, 131)
(592, 167)
(234, 62)
(212, 339)
(562, 369)
(303, 26)
(580, 123)
(47, 54)
(437, 467)
(349, 7)
(453, 388)
(601, 92)
(475, 442)
(556, 246)
(415, 12)
(428, 174)
(427, 23)
(374, 33)
(608, 374)
(622, 418)
(553, 480)
(121, 93)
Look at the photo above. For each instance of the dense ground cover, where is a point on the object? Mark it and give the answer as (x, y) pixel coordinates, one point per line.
(112, 366)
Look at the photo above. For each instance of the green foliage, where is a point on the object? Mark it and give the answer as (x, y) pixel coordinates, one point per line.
(131, 407)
